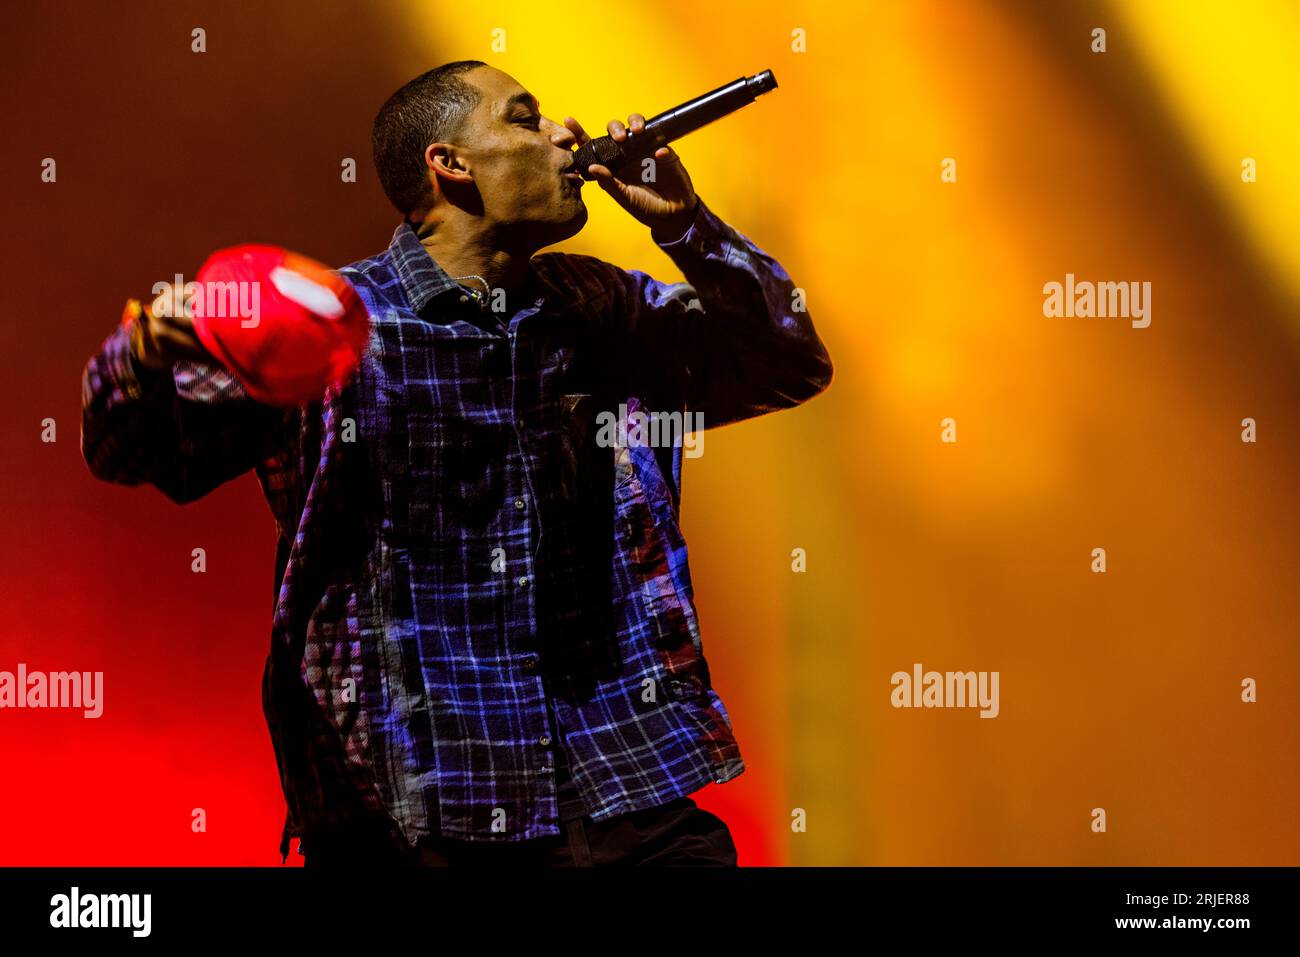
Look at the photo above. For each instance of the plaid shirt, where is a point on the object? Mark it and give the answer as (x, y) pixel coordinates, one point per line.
(467, 577)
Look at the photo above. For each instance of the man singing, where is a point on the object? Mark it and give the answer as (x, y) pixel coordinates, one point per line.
(484, 647)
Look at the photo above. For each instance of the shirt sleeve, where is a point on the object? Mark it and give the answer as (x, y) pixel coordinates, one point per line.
(732, 342)
(184, 430)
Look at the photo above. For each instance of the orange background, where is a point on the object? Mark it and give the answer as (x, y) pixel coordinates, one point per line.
(1119, 690)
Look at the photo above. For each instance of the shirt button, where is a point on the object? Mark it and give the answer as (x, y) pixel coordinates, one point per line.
(530, 664)
(520, 504)
(523, 581)
(544, 741)
(464, 298)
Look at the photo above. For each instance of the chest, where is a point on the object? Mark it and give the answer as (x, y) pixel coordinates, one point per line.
(466, 418)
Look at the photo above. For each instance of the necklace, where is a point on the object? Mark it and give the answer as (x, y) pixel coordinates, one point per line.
(478, 296)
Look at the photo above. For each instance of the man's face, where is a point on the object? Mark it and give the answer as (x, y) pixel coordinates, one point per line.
(517, 158)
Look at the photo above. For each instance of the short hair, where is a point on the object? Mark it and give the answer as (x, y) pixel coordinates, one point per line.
(432, 108)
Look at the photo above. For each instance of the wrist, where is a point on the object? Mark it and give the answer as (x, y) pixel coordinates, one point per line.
(143, 349)
(675, 229)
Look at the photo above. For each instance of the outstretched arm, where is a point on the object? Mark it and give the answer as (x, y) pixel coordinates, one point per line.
(182, 425)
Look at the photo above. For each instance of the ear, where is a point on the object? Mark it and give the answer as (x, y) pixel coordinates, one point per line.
(443, 161)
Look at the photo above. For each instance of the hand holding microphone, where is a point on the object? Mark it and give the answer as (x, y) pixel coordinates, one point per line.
(666, 204)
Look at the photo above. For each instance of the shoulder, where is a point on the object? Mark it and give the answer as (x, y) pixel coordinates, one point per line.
(370, 269)
(375, 279)
(579, 279)
(574, 269)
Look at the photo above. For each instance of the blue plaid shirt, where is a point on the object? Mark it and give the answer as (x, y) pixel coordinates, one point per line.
(467, 578)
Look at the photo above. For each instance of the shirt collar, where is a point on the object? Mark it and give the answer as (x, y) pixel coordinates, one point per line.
(424, 280)
(421, 276)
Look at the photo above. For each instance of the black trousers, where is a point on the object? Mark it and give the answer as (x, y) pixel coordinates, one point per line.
(679, 833)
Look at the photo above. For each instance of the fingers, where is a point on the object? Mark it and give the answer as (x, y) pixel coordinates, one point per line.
(666, 154)
(159, 340)
(165, 331)
(172, 302)
(607, 180)
(619, 132)
(615, 128)
(576, 129)
(162, 304)
(143, 346)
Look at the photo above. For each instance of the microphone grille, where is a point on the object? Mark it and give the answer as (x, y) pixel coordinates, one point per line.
(604, 151)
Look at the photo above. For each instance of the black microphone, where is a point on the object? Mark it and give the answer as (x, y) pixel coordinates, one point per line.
(672, 124)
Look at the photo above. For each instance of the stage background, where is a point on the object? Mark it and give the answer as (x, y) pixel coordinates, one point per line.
(1119, 691)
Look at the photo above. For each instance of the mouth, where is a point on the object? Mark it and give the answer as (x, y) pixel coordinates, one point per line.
(571, 175)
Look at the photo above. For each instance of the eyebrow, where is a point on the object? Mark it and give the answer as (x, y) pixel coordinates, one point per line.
(526, 99)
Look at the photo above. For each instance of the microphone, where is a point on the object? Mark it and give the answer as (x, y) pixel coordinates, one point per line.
(671, 125)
